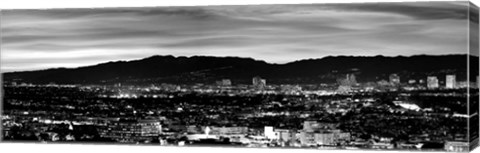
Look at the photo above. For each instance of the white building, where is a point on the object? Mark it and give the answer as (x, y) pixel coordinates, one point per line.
(269, 133)
(451, 81)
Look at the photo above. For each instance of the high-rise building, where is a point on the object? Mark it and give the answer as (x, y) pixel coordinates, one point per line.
(394, 79)
(432, 82)
(451, 81)
(346, 83)
(352, 79)
(259, 82)
(264, 82)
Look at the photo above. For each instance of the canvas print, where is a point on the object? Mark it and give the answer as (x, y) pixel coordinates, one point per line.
(393, 76)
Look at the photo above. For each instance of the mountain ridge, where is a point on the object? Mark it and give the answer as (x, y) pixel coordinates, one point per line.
(207, 69)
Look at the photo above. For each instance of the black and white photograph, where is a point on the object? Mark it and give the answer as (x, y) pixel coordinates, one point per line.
(343, 76)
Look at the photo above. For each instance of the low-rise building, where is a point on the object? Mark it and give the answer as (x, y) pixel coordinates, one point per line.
(132, 130)
(457, 146)
(228, 130)
(285, 135)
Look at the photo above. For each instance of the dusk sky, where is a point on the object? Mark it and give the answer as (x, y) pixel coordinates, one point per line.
(40, 39)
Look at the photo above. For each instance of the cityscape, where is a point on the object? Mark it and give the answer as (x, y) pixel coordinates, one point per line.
(395, 113)
(260, 95)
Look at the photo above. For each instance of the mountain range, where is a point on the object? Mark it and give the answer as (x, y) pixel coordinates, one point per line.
(208, 69)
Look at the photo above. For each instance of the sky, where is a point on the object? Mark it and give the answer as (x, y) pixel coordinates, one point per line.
(52, 38)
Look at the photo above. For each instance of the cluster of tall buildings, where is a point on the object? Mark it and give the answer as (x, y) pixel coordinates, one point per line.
(450, 82)
(432, 81)
(349, 80)
(257, 82)
(346, 83)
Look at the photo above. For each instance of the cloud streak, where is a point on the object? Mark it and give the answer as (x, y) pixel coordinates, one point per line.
(39, 39)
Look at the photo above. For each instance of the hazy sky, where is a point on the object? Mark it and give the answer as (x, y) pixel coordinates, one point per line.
(40, 39)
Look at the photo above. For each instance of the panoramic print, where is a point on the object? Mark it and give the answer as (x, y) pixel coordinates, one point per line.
(397, 76)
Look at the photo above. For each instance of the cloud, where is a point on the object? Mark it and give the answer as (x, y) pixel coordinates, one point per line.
(38, 39)
(417, 10)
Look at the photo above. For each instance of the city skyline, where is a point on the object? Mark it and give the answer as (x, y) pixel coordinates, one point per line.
(41, 39)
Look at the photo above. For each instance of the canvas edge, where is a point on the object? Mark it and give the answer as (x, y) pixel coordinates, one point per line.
(473, 144)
